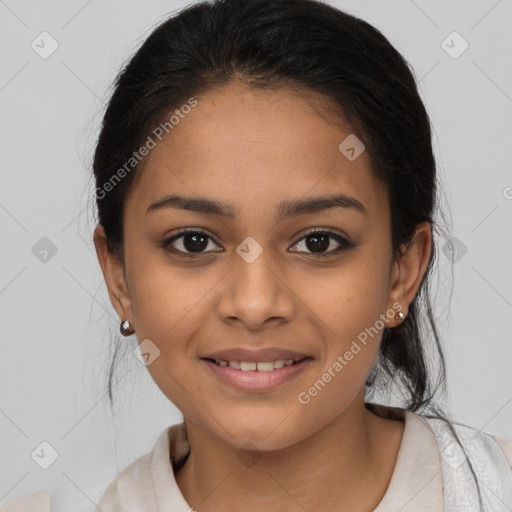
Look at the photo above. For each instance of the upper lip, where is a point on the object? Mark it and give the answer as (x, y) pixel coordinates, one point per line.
(261, 355)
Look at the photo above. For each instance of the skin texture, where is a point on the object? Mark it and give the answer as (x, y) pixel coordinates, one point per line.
(251, 150)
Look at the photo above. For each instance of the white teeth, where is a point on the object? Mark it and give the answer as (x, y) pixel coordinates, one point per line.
(262, 366)
(265, 366)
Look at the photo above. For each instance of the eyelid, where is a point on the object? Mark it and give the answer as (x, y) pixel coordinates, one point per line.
(327, 230)
(341, 239)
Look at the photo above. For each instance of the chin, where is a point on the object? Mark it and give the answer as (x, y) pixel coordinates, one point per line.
(263, 433)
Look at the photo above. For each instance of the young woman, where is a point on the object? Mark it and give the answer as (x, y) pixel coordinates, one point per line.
(266, 193)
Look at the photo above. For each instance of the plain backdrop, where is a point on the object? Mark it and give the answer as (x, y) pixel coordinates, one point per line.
(57, 324)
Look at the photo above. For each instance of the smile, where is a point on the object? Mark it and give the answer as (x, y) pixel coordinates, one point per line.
(263, 366)
(256, 376)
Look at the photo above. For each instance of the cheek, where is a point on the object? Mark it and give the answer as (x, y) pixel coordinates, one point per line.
(166, 299)
(347, 298)
(349, 302)
(168, 310)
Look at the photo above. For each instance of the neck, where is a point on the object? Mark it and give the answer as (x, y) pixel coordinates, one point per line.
(347, 465)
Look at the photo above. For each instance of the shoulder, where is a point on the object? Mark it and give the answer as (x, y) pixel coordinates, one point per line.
(489, 456)
(127, 486)
(506, 446)
(472, 437)
(475, 465)
(38, 502)
(121, 490)
(147, 483)
(132, 489)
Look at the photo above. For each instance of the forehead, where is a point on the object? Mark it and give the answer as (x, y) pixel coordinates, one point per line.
(254, 148)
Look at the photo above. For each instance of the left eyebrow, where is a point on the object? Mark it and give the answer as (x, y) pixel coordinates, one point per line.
(285, 209)
(317, 204)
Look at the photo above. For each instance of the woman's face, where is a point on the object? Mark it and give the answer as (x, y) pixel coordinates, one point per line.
(255, 280)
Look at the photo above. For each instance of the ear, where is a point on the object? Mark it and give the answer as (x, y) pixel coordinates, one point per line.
(409, 267)
(114, 275)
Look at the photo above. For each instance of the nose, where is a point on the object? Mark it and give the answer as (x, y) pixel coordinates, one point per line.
(256, 293)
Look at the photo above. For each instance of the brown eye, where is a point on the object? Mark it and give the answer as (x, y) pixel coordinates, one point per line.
(189, 242)
(319, 241)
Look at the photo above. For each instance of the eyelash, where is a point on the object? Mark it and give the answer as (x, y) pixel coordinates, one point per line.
(344, 243)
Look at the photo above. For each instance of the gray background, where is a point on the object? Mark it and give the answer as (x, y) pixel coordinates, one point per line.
(57, 323)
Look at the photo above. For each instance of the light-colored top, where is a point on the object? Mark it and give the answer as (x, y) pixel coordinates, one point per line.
(149, 484)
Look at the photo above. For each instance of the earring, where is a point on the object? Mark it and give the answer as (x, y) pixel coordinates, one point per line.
(126, 329)
(400, 316)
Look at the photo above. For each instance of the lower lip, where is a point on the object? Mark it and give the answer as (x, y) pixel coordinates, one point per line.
(254, 380)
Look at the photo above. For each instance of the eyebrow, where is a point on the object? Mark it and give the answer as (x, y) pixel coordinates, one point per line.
(285, 209)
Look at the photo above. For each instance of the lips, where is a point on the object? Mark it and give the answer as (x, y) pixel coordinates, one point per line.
(256, 379)
(256, 356)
